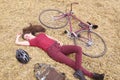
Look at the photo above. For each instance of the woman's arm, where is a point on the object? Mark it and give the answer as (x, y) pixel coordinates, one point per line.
(23, 43)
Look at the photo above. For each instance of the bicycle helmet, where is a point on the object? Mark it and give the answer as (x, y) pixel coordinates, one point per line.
(22, 56)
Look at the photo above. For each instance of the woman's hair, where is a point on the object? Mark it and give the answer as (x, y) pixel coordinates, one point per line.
(33, 29)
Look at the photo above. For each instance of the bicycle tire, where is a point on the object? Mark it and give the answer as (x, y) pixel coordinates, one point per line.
(98, 49)
(46, 18)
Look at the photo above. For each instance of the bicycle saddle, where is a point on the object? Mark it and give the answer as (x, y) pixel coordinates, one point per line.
(93, 25)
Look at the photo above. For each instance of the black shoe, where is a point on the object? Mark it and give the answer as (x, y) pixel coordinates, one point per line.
(97, 76)
(78, 74)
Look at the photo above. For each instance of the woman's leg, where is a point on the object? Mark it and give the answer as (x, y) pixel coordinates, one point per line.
(68, 49)
(59, 56)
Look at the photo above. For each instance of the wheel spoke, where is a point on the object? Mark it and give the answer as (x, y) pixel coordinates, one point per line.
(53, 19)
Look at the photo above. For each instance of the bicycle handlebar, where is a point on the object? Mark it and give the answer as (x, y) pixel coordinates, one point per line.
(75, 3)
(72, 4)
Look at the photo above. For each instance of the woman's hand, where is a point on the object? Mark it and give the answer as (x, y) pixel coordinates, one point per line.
(24, 43)
(17, 38)
(18, 35)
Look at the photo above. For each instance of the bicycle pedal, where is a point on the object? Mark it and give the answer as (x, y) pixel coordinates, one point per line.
(65, 32)
(78, 35)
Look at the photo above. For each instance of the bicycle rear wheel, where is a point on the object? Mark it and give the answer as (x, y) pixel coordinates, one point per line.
(97, 47)
(52, 18)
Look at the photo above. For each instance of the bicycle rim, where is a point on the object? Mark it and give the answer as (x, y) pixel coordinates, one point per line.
(98, 47)
(47, 19)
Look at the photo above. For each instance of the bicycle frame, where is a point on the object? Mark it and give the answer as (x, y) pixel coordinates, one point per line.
(70, 15)
(84, 26)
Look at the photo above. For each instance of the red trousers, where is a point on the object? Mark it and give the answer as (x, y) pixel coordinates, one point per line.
(59, 54)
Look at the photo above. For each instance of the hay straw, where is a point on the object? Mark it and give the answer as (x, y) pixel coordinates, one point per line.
(16, 14)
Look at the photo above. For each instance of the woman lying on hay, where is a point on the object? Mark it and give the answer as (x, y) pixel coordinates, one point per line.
(35, 36)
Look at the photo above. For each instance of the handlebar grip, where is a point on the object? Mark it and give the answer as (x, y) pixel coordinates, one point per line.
(75, 3)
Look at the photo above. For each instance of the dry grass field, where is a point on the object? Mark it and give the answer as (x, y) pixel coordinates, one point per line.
(17, 14)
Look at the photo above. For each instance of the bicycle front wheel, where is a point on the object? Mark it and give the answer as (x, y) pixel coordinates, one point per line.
(52, 18)
(93, 48)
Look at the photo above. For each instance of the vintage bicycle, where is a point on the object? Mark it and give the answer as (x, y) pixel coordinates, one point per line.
(92, 43)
